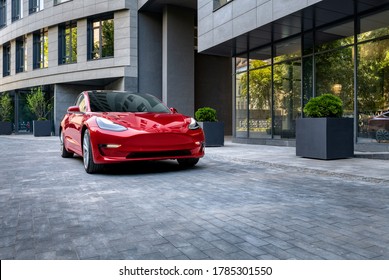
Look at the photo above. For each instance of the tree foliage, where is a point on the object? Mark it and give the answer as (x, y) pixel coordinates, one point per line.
(38, 104)
(5, 107)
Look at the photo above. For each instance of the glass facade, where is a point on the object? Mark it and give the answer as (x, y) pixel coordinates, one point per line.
(349, 59)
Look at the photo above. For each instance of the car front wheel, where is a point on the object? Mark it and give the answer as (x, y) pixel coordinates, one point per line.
(187, 162)
(89, 165)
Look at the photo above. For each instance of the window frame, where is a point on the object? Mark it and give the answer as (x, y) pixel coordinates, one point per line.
(35, 6)
(7, 59)
(62, 43)
(20, 55)
(40, 40)
(3, 13)
(59, 2)
(91, 39)
(217, 4)
(16, 10)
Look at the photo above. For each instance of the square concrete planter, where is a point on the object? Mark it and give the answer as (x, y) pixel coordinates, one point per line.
(325, 138)
(5, 128)
(41, 128)
(214, 133)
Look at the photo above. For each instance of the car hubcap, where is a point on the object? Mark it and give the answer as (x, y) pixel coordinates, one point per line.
(86, 150)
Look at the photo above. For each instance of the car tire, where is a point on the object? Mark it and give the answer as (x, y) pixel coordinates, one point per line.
(188, 162)
(89, 165)
(382, 135)
(64, 152)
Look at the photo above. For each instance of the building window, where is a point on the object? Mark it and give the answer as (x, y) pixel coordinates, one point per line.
(17, 9)
(57, 2)
(35, 6)
(67, 43)
(21, 55)
(101, 38)
(40, 49)
(3, 13)
(219, 3)
(6, 59)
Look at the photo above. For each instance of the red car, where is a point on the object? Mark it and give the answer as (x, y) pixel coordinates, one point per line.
(111, 127)
(379, 126)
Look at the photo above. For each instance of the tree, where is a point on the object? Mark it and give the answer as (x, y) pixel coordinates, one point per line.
(38, 104)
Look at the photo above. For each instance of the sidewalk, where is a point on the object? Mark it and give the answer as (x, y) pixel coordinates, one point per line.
(360, 167)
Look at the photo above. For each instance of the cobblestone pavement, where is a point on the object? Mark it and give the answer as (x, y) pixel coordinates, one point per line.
(221, 209)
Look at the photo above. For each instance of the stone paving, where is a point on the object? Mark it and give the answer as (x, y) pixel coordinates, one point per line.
(224, 208)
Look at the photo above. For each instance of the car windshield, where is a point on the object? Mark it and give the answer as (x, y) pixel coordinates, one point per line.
(125, 102)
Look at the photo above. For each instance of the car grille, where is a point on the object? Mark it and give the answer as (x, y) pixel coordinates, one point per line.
(164, 154)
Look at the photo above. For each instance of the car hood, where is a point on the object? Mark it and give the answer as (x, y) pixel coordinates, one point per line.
(150, 122)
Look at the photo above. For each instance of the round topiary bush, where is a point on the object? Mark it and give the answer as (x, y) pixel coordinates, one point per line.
(324, 106)
(206, 114)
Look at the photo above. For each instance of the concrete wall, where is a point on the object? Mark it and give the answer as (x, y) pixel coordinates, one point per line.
(214, 87)
(150, 53)
(178, 59)
(239, 17)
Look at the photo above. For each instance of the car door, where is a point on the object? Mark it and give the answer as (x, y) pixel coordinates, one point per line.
(75, 123)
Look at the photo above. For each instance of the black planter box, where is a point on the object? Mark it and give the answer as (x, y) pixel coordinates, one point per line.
(41, 128)
(325, 138)
(5, 128)
(214, 133)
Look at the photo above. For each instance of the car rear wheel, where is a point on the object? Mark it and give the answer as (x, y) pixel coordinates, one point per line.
(89, 165)
(64, 152)
(187, 162)
(382, 135)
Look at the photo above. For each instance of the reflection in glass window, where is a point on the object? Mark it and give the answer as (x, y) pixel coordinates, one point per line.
(17, 9)
(125, 102)
(287, 98)
(21, 55)
(6, 59)
(56, 2)
(374, 26)
(101, 38)
(67, 43)
(40, 49)
(335, 74)
(218, 3)
(3, 13)
(35, 6)
(373, 85)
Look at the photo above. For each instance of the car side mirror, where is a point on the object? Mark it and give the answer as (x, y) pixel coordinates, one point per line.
(74, 109)
(173, 110)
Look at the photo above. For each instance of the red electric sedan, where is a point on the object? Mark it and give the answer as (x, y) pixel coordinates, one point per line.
(111, 127)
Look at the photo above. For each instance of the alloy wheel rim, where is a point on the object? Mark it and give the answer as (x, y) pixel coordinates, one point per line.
(61, 142)
(86, 150)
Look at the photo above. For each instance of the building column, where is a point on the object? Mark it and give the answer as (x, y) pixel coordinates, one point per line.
(178, 59)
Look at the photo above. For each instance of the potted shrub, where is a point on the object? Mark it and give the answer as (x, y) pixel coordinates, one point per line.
(40, 107)
(5, 114)
(213, 129)
(323, 133)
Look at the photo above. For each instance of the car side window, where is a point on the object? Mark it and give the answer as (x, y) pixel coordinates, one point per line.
(81, 103)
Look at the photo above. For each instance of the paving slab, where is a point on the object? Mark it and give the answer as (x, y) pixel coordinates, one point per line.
(240, 202)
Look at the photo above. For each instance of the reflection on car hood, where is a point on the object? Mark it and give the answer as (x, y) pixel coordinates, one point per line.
(150, 122)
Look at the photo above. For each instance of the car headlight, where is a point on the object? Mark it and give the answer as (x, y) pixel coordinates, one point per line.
(193, 124)
(106, 124)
